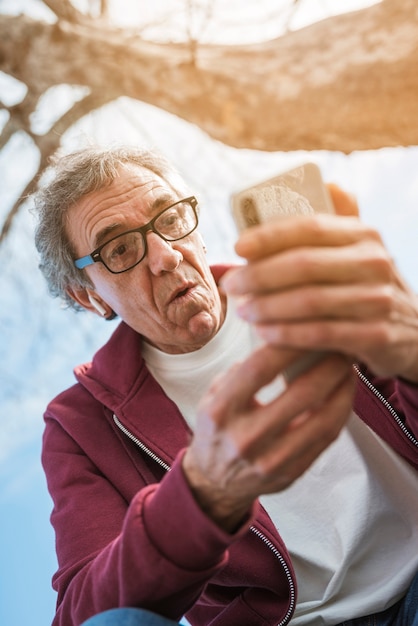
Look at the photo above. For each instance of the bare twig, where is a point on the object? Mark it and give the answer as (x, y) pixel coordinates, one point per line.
(295, 5)
(48, 144)
(8, 131)
(195, 32)
(104, 8)
(64, 10)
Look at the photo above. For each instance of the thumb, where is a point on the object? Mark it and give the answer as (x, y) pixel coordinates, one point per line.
(344, 203)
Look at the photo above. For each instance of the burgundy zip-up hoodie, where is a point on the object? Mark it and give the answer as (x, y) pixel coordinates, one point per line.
(128, 531)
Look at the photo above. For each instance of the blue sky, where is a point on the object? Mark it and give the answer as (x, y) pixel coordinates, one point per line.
(26, 542)
(41, 343)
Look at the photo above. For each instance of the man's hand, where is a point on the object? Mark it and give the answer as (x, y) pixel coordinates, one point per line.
(328, 283)
(242, 449)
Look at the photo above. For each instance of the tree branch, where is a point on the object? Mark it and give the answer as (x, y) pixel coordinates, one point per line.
(64, 10)
(346, 83)
(104, 8)
(18, 118)
(47, 145)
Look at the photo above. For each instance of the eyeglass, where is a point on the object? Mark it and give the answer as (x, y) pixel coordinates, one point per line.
(123, 252)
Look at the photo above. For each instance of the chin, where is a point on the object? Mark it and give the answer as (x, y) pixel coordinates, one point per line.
(203, 330)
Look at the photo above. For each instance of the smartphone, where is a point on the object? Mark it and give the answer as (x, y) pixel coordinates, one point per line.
(299, 191)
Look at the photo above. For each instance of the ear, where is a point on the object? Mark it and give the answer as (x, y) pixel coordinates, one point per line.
(88, 299)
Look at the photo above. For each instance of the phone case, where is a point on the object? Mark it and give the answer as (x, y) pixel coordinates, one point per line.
(299, 191)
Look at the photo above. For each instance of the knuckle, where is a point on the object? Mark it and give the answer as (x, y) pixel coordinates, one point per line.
(386, 299)
(380, 263)
(243, 446)
(304, 302)
(275, 467)
(379, 333)
(318, 226)
(318, 334)
(306, 263)
(371, 233)
(383, 333)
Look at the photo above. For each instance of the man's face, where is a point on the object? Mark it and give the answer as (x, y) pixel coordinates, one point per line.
(175, 305)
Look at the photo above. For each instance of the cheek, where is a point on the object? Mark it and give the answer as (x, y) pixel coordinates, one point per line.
(129, 298)
(118, 291)
(195, 256)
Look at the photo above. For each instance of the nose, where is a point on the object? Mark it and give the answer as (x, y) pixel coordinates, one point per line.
(161, 255)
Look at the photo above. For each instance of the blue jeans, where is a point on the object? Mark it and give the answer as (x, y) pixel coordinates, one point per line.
(403, 613)
(128, 617)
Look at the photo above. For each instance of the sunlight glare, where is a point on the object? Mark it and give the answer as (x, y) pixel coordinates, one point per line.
(224, 21)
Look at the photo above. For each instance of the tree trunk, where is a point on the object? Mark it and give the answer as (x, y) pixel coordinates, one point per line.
(347, 83)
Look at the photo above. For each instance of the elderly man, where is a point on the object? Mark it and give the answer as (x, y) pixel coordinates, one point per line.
(190, 475)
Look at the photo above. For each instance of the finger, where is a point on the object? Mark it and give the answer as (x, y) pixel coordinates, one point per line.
(235, 389)
(277, 235)
(386, 346)
(306, 393)
(364, 261)
(300, 446)
(223, 480)
(308, 302)
(344, 203)
(348, 337)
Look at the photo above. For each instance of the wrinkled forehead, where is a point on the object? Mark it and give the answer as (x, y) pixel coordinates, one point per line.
(135, 180)
(133, 196)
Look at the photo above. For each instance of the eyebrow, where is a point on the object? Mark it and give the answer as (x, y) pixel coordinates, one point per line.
(107, 232)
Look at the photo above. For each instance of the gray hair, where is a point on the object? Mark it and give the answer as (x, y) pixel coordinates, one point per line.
(74, 176)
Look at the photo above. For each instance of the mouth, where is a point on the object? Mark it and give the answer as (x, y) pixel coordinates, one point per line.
(181, 292)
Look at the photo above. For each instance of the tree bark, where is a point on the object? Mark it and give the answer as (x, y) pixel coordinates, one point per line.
(347, 83)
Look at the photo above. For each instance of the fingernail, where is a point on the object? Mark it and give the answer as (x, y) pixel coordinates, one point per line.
(268, 333)
(244, 309)
(229, 282)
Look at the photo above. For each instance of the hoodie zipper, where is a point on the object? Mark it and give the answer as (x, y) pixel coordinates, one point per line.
(141, 445)
(388, 406)
(255, 530)
(283, 563)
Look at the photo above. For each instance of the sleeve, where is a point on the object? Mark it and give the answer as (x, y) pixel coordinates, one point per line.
(156, 551)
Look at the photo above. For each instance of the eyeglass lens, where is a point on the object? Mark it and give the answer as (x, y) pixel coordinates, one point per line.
(128, 249)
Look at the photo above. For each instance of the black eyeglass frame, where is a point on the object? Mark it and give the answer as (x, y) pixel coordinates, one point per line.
(95, 256)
